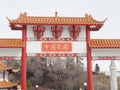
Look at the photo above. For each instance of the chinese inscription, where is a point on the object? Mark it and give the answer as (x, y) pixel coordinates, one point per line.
(56, 47)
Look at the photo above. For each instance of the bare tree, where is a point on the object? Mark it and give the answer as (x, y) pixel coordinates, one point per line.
(57, 74)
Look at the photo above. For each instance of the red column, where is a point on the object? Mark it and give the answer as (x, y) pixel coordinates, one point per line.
(89, 60)
(23, 82)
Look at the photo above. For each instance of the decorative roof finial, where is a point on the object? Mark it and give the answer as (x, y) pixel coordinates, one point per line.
(7, 18)
(25, 13)
(56, 14)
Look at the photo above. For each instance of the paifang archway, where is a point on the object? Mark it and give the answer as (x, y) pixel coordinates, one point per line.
(56, 36)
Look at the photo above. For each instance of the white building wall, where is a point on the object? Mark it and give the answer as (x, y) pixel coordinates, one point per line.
(30, 31)
(35, 47)
(77, 46)
(1, 75)
(10, 51)
(82, 33)
(65, 33)
(105, 52)
(48, 32)
(6, 75)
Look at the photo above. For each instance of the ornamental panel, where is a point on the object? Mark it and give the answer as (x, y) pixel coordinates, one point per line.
(52, 47)
(106, 58)
(40, 32)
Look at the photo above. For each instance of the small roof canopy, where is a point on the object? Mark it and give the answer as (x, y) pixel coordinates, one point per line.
(8, 68)
(4, 67)
(6, 84)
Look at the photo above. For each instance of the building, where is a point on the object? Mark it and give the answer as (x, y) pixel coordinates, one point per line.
(58, 37)
(5, 84)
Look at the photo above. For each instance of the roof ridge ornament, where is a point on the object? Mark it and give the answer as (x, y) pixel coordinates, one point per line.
(7, 18)
(105, 20)
(20, 16)
(87, 15)
(56, 14)
(23, 15)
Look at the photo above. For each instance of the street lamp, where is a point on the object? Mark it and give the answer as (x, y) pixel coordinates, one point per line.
(36, 87)
(85, 86)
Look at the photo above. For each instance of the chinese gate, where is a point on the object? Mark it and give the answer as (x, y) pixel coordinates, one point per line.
(56, 36)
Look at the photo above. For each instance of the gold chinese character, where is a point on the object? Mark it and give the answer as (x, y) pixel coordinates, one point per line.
(46, 46)
(53, 47)
(65, 47)
(59, 47)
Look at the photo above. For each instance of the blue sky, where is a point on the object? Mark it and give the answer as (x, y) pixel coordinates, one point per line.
(99, 9)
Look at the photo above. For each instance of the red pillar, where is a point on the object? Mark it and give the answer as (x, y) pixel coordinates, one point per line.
(23, 82)
(89, 60)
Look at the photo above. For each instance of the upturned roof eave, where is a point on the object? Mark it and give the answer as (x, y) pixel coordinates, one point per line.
(24, 19)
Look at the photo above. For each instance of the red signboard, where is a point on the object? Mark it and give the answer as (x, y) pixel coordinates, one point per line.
(56, 47)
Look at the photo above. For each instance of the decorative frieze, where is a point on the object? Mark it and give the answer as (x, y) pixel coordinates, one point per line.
(55, 54)
(10, 58)
(55, 39)
(105, 57)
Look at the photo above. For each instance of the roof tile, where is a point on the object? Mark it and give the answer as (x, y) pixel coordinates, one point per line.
(6, 84)
(105, 43)
(4, 67)
(9, 43)
(24, 19)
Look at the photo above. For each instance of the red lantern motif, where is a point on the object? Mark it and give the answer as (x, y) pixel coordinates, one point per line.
(38, 31)
(56, 31)
(74, 31)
